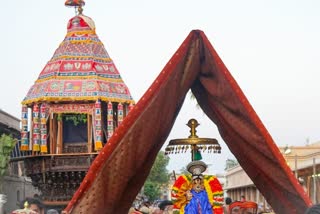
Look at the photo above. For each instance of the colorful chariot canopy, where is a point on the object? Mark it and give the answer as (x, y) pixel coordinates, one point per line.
(80, 69)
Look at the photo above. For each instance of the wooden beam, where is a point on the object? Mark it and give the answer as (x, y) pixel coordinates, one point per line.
(59, 137)
(54, 137)
(31, 132)
(51, 149)
(89, 127)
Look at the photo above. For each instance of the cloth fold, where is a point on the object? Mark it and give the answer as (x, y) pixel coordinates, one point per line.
(119, 171)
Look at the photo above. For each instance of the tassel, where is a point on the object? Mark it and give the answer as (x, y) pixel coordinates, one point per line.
(197, 156)
(36, 129)
(24, 129)
(44, 149)
(24, 147)
(120, 113)
(110, 120)
(97, 123)
(36, 147)
(98, 145)
(43, 129)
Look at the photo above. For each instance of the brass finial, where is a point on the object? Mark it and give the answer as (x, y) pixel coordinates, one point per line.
(78, 4)
(193, 124)
(26, 205)
(80, 9)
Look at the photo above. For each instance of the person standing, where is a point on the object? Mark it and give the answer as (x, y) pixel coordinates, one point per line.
(228, 201)
(3, 200)
(133, 210)
(315, 209)
(34, 204)
(52, 211)
(165, 207)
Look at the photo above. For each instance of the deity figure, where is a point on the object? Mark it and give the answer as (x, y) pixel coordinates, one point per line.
(197, 193)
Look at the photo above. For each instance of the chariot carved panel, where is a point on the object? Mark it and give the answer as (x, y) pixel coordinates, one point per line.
(59, 176)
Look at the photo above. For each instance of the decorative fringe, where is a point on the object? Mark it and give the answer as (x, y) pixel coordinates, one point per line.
(24, 147)
(98, 145)
(24, 129)
(82, 58)
(36, 128)
(60, 99)
(110, 120)
(86, 41)
(97, 123)
(82, 32)
(111, 80)
(36, 147)
(44, 149)
(43, 128)
(120, 113)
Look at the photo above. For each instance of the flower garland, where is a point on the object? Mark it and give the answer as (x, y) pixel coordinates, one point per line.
(215, 193)
(212, 186)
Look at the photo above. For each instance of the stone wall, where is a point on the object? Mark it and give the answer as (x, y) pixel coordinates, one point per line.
(16, 189)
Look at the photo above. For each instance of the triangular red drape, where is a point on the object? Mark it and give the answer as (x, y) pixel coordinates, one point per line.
(119, 171)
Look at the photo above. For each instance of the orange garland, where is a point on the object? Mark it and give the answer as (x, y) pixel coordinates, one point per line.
(212, 187)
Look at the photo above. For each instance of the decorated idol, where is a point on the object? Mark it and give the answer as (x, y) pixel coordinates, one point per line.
(197, 193)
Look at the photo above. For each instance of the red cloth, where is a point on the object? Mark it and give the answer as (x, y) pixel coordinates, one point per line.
(119, 171)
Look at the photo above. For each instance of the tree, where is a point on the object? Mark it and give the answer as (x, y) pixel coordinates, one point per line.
(230, 163)
(7, 143)
(184, 171)
(158, 177)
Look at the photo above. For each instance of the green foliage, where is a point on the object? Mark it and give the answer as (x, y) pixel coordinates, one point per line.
(152, 190)
(230, 163)
(59, 117)
(7, 144)
(76, 118)
(158, 177)
(184, 171)
(159, 172)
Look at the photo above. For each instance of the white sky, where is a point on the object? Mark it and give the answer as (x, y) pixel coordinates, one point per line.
(271, 48)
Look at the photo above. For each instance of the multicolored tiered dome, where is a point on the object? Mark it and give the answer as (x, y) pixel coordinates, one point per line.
(80, 69)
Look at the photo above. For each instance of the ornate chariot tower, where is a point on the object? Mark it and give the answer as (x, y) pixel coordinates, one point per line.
(71, 111)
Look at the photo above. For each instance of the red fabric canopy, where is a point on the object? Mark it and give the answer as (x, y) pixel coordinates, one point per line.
(119, 171)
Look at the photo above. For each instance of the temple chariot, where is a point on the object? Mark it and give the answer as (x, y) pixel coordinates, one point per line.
(71, 111)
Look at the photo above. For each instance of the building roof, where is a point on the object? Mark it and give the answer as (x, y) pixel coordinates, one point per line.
(80, 69)
(308, 149)
(9, 120)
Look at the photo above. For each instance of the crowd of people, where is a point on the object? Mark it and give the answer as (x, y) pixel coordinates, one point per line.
(162, 207)
(34, 205)
(166, 207)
